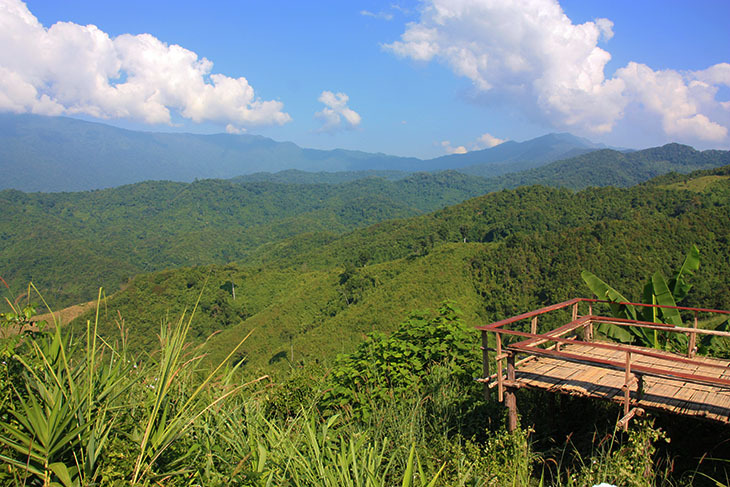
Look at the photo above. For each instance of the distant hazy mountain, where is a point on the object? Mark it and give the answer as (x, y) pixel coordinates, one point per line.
(509, 157)
(64, 154)
(530, 154)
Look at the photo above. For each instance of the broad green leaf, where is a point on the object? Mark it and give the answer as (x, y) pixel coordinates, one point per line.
(677, 284)
(664, 297)
(648, 313)
(618, 333)
(604, 291)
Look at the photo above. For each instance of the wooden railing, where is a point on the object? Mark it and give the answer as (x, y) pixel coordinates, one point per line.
(581, 330)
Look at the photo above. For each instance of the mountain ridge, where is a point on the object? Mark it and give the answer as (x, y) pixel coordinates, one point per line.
(54, 154)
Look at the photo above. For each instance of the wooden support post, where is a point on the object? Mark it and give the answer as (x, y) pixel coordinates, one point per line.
(639, 386)
(575, 312)
(692, 340)
(589, 332)
(623, 423)
(627, 389)
(533, 325)
(511, 400)
(498, 360)
(590, 309)
(485, 364)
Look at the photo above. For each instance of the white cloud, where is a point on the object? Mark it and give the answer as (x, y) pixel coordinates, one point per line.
(487, 141)
(719, 74)
(70, 68)
(453, 150)
(668, 95)
(232, 129)
(379, 15)
(532, 52)
(336, 114)
(484, 141)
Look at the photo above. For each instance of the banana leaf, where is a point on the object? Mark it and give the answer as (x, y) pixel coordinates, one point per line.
(677, 284)
(664, 297)
(648, 313)
(604, 291)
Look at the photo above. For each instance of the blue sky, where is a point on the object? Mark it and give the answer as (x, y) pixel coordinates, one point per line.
(408, 78)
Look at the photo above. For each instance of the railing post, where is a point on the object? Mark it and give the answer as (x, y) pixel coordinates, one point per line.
(485, 363)
(498, 360)
(533, 325)
(589, 331)
(693, 340)
(627, 388)
(511, 399)
(575, 312)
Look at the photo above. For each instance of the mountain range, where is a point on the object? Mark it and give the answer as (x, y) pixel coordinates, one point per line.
(53, 154)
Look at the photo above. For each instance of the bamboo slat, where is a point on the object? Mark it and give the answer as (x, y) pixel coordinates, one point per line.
(660, 393)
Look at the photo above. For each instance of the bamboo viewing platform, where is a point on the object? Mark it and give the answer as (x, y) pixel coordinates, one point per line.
(567, 360)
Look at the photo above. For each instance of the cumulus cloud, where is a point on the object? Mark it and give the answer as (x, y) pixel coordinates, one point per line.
(69, 68)
(453, 150)
(336, 114)
(487, 141)
(232, 129)
(531, 51)
(484, 141)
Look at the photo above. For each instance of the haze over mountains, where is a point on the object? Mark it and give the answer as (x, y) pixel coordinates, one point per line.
(53, 154)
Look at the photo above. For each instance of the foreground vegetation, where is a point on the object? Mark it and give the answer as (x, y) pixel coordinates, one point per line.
(230, 374)
(400, 410)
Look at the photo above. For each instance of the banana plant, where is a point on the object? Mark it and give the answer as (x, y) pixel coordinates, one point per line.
(657, 291)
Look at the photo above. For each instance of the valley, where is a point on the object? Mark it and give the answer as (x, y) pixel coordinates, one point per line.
(312, 288)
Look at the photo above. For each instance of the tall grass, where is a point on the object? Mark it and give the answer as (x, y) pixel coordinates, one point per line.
(78, 403)
(83, 413)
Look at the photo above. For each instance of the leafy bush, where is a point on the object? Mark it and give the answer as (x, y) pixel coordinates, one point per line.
(383, 366)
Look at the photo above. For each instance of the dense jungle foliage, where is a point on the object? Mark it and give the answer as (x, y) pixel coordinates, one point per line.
(71, 243)
(495, 256)
(400, 410)
(348, 357)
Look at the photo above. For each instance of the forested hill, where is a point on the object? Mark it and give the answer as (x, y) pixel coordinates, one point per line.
(61, 154)
(493, 256)
(295, 176)
(511, 156)
(598, 168)
(71, 243)
(608, 167)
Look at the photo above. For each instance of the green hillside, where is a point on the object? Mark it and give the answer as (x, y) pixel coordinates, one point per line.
(295, 176)
(70, 243)
(613, 168)
(292, 412)
(312, 298)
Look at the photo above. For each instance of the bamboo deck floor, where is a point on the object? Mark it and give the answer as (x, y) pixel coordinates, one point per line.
(659, 393)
